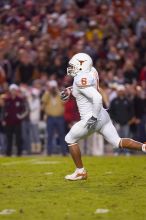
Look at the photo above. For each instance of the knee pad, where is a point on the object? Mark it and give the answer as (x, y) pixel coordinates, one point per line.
(68, 139)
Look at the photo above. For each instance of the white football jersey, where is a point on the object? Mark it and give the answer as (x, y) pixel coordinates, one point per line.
(82, 87)
(86, 91)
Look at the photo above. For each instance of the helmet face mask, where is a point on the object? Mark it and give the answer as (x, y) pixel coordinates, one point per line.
(72, 70)
(79, 62)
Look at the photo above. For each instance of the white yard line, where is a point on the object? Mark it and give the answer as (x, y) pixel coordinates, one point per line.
(18, 162)
(101, 211)
(49, 173)
(45, 162)
(7, 211)
(32, 161)
(108, 172)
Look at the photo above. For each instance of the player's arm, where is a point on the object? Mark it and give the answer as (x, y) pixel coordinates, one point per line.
(92, 94)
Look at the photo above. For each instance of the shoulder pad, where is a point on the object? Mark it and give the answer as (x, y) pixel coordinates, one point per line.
(94, 73)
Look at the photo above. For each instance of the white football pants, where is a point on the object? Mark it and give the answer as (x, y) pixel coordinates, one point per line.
(104, 126)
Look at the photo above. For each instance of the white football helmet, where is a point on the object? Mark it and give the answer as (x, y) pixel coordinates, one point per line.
(79, 62)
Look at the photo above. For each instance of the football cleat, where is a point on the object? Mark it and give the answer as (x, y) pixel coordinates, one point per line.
(77, 175)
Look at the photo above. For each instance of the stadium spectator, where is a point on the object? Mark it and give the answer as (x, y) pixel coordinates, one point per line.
(6, 73)
(14, 113)
(35, 109)
(25, 71)
(26, 129)
(54, 110)
(121, 112)
(71, 113)
(140, 114)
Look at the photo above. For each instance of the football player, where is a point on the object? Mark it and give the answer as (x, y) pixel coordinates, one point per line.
(94, 118)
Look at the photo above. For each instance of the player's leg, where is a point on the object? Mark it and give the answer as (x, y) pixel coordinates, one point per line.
(110, 134)
(76, 154)
(131, 144)
(77, 132)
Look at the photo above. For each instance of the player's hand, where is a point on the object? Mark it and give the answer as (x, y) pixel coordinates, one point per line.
(64, 95)
(91, 122)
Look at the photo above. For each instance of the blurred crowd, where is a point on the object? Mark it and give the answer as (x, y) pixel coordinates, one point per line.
(37, 39)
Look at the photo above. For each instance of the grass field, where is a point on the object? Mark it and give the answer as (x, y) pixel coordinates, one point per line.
(35, 188)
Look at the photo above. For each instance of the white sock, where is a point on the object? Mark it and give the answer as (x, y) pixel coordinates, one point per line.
(144, 148)
(80, 170)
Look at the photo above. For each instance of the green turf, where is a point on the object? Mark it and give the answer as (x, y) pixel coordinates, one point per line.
(114, 183)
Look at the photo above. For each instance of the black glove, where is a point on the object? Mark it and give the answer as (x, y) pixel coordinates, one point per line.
(91, 123)
(64, 95)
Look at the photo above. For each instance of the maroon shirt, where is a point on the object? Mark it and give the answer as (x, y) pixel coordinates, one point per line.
(13, 107)
(71, 113)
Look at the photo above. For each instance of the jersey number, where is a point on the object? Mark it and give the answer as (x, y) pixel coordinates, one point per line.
(84, 81)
